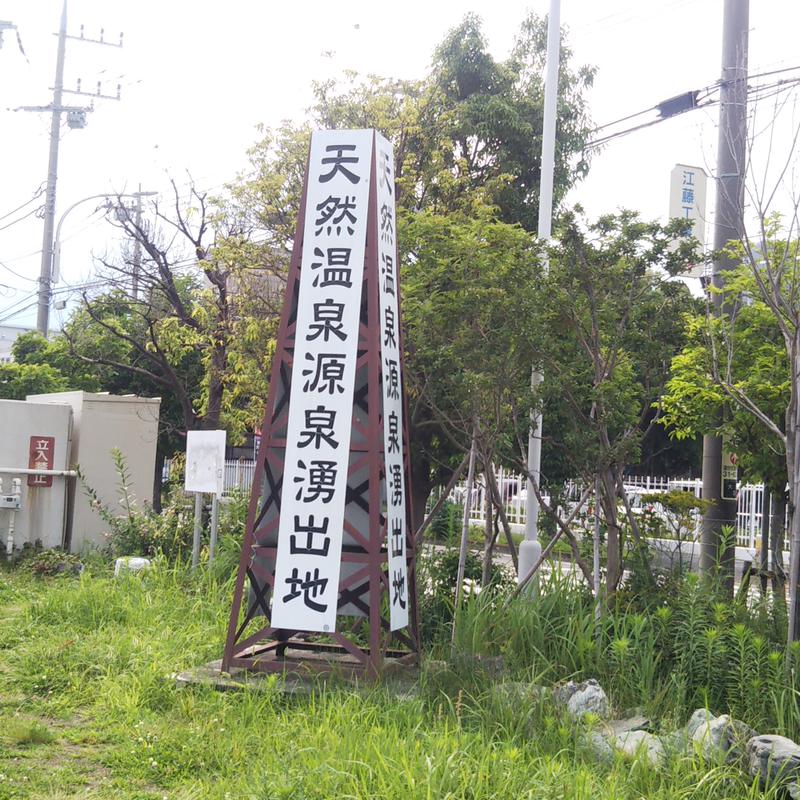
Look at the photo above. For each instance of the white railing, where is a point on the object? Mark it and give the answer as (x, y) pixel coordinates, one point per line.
(238, 474)
(513, 490)
(512, 486)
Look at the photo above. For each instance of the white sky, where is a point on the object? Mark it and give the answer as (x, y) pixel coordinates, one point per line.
(198, 76)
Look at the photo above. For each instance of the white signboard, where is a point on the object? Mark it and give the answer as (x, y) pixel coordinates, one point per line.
(392, 388)
(687, 200)
(323, 380)
(205, 461)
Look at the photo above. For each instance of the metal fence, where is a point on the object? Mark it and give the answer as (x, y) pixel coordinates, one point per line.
(512, 488)
(750, 500)
(238, 474)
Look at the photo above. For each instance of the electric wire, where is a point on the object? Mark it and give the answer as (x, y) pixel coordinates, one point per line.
(36, 196)
(19, 219)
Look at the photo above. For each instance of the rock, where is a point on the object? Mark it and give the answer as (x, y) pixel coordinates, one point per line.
(596, 746)
(618, 727)
(130, 564)
(519, 693)
(722, 739)
(700, 717)
(774, 760)
(582, 698)
(636, 743)
(680, 741)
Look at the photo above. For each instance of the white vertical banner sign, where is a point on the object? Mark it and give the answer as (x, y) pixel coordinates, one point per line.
(323, 381)
(392, 388)
(687, 200)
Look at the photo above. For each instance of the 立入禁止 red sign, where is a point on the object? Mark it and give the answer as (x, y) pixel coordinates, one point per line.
(40, 456)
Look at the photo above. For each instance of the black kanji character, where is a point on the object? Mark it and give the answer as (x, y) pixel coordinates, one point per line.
(336, 267)
(310, 530)
(389, 337)
(392, 378)
(385, 172)
(394, 432)
(327, 320)
(311, 586)
(398, 537)
(396, 484)
(338, 161)
(328, 218)
(328, 372)
(319, 428)
(387, 224)
(387, 270)
(399, 586)
(321, 480)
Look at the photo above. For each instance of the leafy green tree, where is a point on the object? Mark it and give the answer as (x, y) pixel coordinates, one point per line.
(19, 380)
(469, 284)
(607, 324)
(467, 137)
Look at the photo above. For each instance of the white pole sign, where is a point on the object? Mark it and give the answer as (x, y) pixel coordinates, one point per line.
(323, 381)
(205, 461)
(392, 388)
(687, 200)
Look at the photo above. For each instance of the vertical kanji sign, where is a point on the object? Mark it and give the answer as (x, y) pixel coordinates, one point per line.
(40, 456)
(328, 529)
(392, 389)
(323, 381)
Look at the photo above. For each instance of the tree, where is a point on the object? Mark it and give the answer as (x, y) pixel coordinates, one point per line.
(19, 380)
(466, 138)
(468, 289)
(607, 324)
(746, 348)
(202, 319)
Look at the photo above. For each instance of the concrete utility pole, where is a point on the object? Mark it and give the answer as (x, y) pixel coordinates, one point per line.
(76, 118)
(137, 245)
(729, 223)
(43, 313)
(530, 549)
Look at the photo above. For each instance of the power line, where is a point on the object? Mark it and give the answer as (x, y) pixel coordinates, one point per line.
(15, 273)
(761, 92)
(36, 196)
(11, 224)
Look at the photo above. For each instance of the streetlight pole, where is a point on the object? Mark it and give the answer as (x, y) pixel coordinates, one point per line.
(530, 548)
(54, 268)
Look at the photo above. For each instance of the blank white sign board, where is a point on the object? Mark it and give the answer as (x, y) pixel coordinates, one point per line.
(205, 461)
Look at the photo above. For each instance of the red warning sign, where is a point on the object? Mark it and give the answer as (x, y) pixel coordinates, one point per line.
(40, 456)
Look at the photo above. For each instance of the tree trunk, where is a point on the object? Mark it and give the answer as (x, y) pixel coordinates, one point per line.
(462, 553)
(608, 501)
(777, 533)
(158, 480)
(488, 539)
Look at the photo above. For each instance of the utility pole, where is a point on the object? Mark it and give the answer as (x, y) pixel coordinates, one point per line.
(137, 245)
(530, 549)
(76, 118)
(729, 223)
(43, 313)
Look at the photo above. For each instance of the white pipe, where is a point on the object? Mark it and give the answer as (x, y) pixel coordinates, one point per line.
(58, 473)
(16, 490)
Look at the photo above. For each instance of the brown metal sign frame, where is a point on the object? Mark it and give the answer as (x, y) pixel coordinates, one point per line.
(365, 585)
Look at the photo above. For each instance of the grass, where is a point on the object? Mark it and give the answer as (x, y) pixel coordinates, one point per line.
(87, 709)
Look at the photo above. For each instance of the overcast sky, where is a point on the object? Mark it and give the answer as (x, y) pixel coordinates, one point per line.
(197, 76)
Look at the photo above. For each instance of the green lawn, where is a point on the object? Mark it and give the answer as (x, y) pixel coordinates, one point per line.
(88, 710)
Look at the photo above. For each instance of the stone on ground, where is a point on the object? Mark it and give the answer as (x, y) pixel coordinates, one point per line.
(586, 697)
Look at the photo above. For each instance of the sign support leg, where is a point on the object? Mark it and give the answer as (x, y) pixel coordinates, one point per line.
(212, 547)
(198, 520)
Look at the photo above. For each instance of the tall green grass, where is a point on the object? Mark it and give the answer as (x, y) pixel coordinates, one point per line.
(86, 663)
(682, 650)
